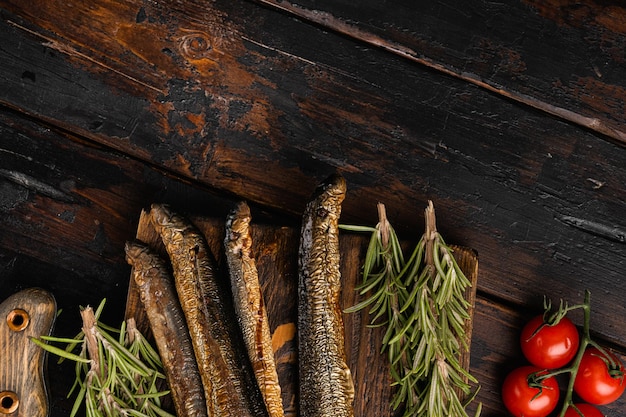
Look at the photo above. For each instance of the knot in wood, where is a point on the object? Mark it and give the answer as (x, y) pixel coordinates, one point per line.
(196, 45)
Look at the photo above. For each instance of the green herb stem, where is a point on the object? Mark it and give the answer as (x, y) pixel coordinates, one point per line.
(421, 302)
(115, 376)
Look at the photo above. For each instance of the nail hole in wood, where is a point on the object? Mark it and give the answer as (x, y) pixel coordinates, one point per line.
(8, 402)
(18, 319)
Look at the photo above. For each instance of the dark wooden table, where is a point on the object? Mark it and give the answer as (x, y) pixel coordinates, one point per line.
(510, 116)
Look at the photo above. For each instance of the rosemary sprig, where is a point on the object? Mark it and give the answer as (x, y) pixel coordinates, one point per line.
(421, 301)
(115, 376)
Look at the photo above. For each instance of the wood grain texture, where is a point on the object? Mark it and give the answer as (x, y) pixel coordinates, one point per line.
(95, 124)
(501, 199)
(533, 52)
(24, 315)
(546, 193)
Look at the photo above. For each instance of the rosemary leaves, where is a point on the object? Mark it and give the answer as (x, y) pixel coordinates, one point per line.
(115, 376)
(421, 302)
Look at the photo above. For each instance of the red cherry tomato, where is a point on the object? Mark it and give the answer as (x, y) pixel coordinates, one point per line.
(548, 346)
(524, 400)
(587, 410)
(597, 381)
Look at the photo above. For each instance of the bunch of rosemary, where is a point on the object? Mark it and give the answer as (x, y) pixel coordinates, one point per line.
(115, 376)
(421, 301)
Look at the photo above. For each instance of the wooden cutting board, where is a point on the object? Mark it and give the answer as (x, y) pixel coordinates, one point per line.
(276, 251)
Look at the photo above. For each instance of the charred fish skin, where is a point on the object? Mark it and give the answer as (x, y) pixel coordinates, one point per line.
(250, 307)
(229, 384)
(158, 296)
(326, 386)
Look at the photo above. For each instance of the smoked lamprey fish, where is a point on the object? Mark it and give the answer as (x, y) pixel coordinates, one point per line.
(326, 386)
(250, 307)
(230, 387)
(158, 296)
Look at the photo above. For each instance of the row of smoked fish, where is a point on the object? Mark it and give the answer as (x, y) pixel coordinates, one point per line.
(220, 366)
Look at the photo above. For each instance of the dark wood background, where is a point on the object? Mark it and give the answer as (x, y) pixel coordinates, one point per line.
(510, 116)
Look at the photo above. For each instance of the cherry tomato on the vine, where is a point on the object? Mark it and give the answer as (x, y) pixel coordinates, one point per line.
(597, 382)
(524, 400)
(588, 410)
(549, 347)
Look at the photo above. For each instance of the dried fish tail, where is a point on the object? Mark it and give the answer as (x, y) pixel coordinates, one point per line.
(167, 322)
(229, 383)
(250, 307)
(326, 386)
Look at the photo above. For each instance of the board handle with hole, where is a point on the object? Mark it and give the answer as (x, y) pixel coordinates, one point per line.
(24, 315)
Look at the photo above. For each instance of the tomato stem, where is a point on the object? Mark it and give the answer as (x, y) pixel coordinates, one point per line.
(584, 342)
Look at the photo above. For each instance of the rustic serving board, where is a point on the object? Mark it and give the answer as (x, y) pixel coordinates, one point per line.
(275, 249)
(27, 314)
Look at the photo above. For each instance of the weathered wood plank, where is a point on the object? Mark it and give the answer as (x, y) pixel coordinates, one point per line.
(562, 58)
(274, 106)
(73, 205)
(510, 183)
(533, 196)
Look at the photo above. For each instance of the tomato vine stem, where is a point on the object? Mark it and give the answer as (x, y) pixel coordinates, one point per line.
(585, 342)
